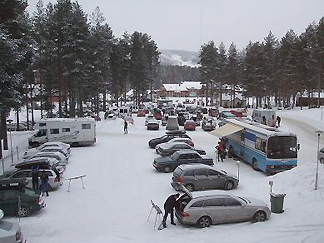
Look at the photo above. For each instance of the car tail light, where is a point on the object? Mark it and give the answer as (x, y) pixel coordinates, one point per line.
(18, 236)
(38, 200)
(57, 179)
(180, 179)
(184, 214)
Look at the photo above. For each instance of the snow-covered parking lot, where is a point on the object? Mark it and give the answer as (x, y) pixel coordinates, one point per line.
(120, 182)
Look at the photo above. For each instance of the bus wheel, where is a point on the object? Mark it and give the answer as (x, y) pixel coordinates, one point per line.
(255, 164)
(230, 152)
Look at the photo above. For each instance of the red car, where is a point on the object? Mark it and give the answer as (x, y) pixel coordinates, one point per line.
(190, 125)
(141, 113)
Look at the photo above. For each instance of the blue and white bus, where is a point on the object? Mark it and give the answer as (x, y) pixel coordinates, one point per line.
(265, 148)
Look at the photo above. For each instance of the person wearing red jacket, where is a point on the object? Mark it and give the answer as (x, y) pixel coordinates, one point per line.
(220, 151)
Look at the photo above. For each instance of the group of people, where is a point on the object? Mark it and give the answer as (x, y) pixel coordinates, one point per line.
(44, 187)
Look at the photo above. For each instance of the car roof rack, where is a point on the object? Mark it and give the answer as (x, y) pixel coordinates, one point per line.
(175, 132)
(16, 183)
(42, 162)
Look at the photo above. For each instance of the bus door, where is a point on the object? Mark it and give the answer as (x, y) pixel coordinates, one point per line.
(242, 144)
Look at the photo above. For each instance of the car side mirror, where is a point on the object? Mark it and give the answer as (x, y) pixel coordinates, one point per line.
(298, 146)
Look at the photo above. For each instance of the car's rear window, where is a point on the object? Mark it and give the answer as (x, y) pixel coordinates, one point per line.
(198, 204)
(178, 171)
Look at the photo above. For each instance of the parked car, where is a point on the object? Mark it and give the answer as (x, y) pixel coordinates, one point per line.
(153, 125)
(196, 119)
(165, 138)
(56, 155)
(54, 177)
(33, 151)
(42, 162)
(111, 116)
(213, 112)
(10, 232)
(321, 155)
(63, 151)
(190, 125)
(216, 207)
(208, 124)
(201, 177)
(149, 118)
(14, 127)
(13, 190)
(167, 149)
(141, 113)
(183, 140)
(157, 114)
(168, 164)
(226, 114)
(30, 152)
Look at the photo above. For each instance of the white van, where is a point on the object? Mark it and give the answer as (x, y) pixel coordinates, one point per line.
(265, 116)
(74, 131)
(124, 111)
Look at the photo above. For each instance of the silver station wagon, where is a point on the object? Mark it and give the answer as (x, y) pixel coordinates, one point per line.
(205, 208)
(202, 177)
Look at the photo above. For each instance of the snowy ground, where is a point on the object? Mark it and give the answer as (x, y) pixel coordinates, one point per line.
(120, 182)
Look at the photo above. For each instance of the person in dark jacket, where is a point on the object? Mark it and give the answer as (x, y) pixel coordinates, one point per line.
(278, 120)
(125, 126)
(45, 186)
(35, 169)
(169, 205)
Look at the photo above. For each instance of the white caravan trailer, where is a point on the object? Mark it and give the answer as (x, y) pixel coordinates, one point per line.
(269, 116)
(124, 111)
(74, 131)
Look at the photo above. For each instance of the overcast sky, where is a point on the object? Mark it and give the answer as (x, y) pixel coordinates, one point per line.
(187, 24)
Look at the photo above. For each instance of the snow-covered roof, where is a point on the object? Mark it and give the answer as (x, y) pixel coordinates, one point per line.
(191, 84)
(183, 86)
(174, 87)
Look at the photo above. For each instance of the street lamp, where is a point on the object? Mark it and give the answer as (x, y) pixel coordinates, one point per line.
(318, 142)
(10, 121)
(238, 169)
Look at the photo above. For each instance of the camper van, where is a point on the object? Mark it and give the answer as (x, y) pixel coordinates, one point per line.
(265, 116)
(74, 131)
(124, 111)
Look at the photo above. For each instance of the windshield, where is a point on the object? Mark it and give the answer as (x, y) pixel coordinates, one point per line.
(281, 147)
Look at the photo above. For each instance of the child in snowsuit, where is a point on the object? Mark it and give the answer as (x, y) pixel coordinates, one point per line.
(45, 186)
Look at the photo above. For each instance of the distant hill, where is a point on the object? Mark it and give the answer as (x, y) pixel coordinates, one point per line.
(181, 58)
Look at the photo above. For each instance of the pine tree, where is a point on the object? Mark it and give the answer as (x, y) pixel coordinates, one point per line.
(232, 70)
(209, 59)
(101, 42)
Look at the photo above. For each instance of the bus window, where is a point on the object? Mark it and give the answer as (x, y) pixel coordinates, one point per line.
(281, 147)
(260, 144)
